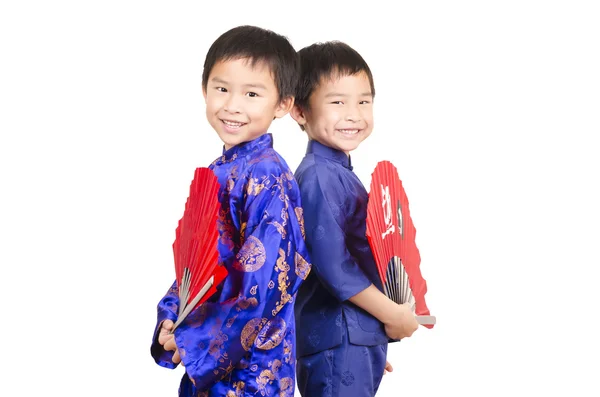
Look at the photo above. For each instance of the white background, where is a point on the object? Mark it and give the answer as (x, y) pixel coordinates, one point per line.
(488, 109)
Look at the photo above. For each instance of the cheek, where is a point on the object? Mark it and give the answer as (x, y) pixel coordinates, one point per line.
(256, 110)
(329, 119)
(368, 117)
(211, 104)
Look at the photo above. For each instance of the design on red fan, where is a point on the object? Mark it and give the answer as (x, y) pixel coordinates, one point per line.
(392, 241)
(387, 211)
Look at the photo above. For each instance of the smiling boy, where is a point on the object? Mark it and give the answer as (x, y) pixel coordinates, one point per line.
(241, 342)
(344, 321)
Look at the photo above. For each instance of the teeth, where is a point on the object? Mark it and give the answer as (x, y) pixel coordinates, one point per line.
(349, 132)
(232, 123)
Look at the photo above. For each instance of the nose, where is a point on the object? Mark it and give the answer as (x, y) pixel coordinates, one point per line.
(353, 114)
(232, 105)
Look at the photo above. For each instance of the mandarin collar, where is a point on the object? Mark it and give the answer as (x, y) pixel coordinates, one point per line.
(329, 153)
(246, 148)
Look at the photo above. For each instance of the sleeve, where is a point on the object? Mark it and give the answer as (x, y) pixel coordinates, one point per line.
(167, 310)
(262, 280)
(325, 219)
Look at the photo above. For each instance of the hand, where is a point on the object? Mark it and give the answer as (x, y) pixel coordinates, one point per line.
(167, 340)
(388, 367)
(402, 322)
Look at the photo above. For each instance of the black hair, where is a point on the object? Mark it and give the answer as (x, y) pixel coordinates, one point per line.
(259, 46)
(326, 60)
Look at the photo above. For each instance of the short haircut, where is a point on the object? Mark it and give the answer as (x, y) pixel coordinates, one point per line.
(258, 45)
(326, 60)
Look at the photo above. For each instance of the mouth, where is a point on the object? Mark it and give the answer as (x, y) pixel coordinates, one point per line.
(349, 132)
(232, 125)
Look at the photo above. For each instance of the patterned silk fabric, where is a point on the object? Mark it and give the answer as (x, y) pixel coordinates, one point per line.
(241, 342)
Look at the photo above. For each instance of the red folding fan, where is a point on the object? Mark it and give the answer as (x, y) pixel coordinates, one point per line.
(391, 235)
(195, 250)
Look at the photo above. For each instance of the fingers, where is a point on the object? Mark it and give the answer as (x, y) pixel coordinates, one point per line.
(388, 366)
(176, 357)
(167, 324)
(165, 332)
(170, 344)
(164, 337)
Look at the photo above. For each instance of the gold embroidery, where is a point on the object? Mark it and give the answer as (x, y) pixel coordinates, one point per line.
(230, 321)
(300, 216)
(253, 289)
(250, 332)
(280, 228)
(226, 370)
(238, 389)
(302, 266)
(233, 173)
(216, 345)
(245, 303)
(286, 387)
(283, 281)
(271, 335)
(275, 366)
(267, 155)
(254, 187)
(243, 231)
(226, 230)
(265, 378)
(280, 181)
(251, 256)
(284, 218)
(287, 351)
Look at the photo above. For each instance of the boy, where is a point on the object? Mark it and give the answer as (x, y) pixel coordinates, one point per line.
(343, 319)
(241, 342)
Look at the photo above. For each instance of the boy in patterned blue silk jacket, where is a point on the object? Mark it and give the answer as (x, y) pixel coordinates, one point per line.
(344, 321)
(241, 342)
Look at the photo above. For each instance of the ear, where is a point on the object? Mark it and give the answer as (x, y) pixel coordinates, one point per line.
(284, 106)
(299, 115)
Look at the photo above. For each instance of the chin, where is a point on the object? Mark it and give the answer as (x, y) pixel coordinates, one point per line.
(346, 147)
(229, 140)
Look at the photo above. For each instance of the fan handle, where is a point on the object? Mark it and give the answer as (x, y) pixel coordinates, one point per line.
(193, 303)
(425, 320)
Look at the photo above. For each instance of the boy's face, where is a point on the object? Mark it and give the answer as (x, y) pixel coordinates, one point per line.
(242, 101)
(340, 113)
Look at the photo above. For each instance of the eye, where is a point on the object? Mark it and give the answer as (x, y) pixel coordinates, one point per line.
(364, 102)
(221, 89)
(252, 94)
(337, 103)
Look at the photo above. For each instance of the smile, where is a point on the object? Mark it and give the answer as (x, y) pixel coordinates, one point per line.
(349, 132)
(234, 125)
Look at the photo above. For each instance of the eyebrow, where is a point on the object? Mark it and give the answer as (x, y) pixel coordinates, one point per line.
(337, 94)
(255, 85)
(250, 85)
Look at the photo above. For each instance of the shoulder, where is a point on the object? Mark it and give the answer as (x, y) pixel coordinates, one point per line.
(315, 173)
(269, 171)
(268, 161)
